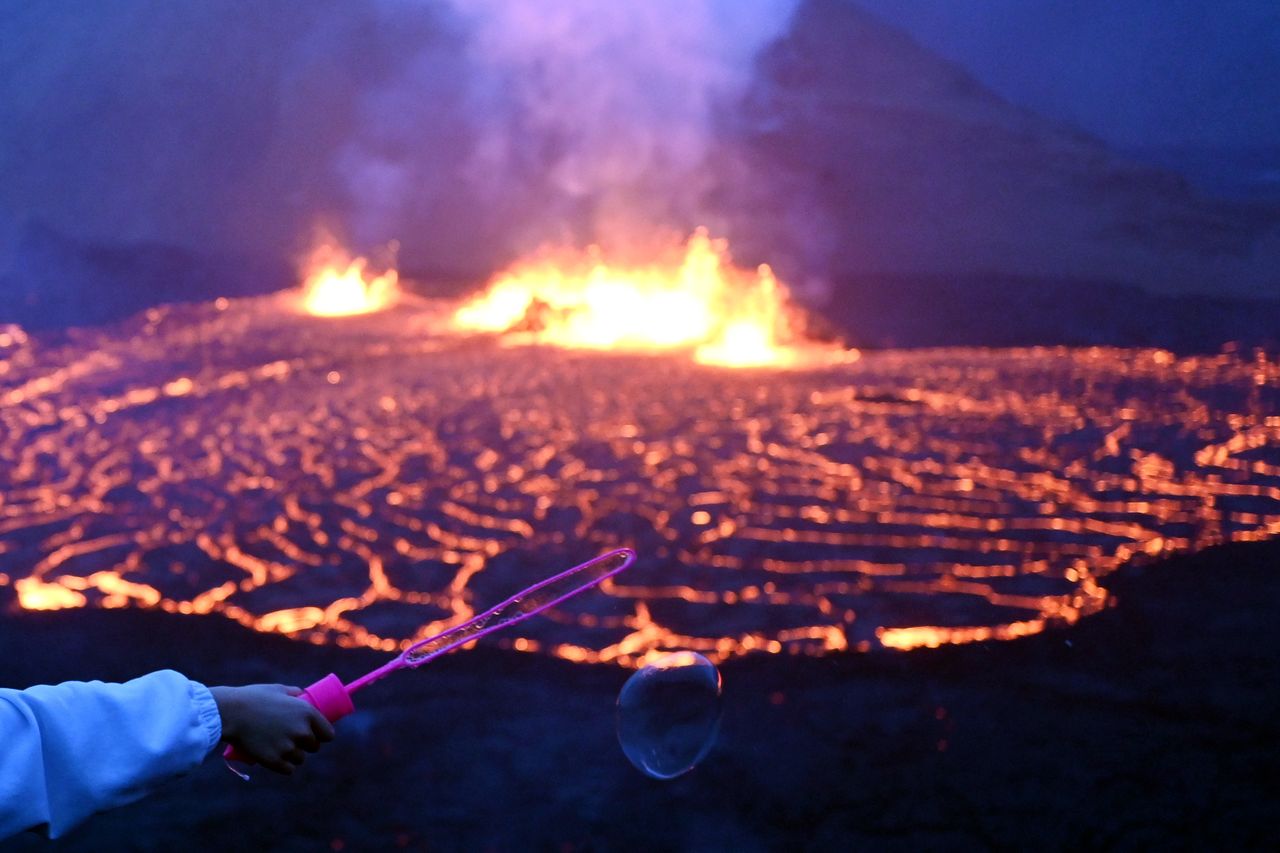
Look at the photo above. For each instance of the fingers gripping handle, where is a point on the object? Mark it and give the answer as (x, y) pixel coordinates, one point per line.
(330, 697)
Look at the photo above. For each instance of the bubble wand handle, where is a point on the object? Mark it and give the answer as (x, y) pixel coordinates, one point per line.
(370, 677)
(523, 605)
(333, 698)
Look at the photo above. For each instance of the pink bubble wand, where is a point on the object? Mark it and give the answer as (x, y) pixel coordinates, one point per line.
(333, 698)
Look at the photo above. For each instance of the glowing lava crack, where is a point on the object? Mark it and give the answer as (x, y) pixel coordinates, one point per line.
(363, 484)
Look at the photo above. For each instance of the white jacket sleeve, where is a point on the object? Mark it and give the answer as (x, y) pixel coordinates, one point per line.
(70, 750)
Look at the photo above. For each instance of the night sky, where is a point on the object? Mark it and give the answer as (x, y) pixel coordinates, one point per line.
(1133, 72)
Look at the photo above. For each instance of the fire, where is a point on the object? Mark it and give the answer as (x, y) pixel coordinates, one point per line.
(726, 315)
(339, 286)
(35, 594)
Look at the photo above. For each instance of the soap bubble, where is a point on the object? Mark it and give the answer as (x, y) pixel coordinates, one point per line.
(669, 714)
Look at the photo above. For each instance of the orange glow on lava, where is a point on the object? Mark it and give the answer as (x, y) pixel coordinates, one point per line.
(35, 594)
(699, 301)
(336, 285)
(371, 490)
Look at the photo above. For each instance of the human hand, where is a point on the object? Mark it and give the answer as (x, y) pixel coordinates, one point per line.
(270, 724)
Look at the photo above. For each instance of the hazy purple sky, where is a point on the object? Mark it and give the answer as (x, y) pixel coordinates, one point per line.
(472, 131)
(1133, 72)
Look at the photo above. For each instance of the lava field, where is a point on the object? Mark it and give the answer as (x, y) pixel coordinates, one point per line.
(370, 480)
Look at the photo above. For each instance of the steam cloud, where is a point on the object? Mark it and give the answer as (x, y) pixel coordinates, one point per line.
(470, 130)
(584, 120)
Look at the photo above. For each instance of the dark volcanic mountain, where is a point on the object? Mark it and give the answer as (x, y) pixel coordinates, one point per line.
(887, 159)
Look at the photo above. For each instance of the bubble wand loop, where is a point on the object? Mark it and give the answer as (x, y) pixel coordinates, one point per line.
(333, 698)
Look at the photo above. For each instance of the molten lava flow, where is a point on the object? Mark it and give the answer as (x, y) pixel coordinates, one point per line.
(370, 490)
(726, 315)
(338, 286)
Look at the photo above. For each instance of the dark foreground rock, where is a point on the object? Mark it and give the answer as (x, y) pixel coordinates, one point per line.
(1152, 725)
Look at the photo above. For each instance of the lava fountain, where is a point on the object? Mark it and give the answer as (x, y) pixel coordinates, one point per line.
(696, 300)
(337, 285)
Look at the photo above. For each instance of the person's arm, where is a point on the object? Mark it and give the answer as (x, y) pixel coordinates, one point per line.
(70, 750)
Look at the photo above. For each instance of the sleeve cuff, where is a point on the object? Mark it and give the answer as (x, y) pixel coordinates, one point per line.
(207, 714)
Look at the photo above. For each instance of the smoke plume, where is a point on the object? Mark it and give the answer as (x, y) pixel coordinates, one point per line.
(584, 121)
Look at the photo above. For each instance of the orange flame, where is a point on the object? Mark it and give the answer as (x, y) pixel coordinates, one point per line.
(338, 286)
(726, 315)
(35, 594)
